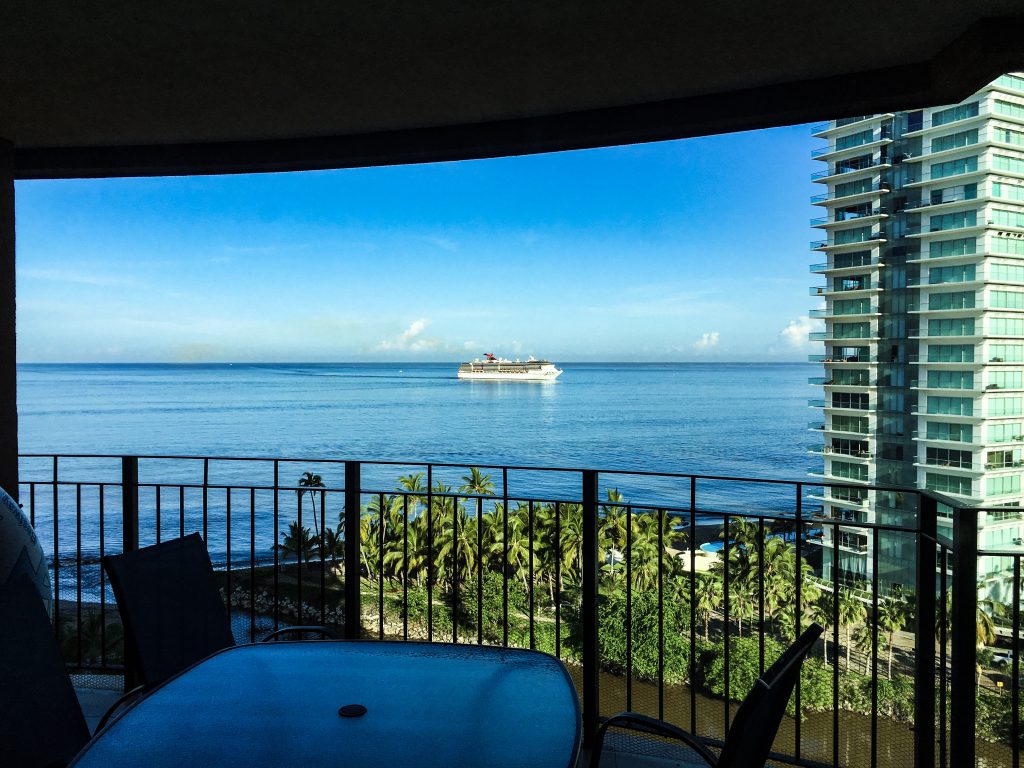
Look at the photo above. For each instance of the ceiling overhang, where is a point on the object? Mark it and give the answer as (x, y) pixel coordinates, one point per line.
(138, 88)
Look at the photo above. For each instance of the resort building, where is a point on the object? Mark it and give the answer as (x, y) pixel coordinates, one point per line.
(922, 236)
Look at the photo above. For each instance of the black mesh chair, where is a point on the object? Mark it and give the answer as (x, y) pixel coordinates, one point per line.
(41, 721)
(171, 607)
(751, 733)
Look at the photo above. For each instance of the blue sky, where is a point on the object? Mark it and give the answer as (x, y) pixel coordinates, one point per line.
(687, 250)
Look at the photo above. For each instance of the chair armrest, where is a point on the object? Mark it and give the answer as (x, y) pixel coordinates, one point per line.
(135, 692)
(637, 722)
(323, 631)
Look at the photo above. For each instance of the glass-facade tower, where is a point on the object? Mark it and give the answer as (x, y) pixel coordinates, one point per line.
(923, 305)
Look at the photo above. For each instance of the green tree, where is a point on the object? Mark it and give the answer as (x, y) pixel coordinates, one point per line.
(298, 542)
(823, 612)
(477, 483)
(892, 614)
(708, 593)
(307, 484)
(851, 612)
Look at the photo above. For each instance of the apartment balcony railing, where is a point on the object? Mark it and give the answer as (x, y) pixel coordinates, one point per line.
(610, 571)
(852, 168)
(832, 242)
(884, 133)
(875, 188)
(866, 285)
(840, 217)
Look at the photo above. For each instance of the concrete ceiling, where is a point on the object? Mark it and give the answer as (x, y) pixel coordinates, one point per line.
(131, 87)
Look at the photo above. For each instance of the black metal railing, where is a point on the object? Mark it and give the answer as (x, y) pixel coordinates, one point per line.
(662, 592)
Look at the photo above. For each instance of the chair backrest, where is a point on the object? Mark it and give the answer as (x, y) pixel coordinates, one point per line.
(170, 605)
(41, 721)
(753, 730)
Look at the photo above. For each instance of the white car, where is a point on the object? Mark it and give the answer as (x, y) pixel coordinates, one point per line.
(1002, 657)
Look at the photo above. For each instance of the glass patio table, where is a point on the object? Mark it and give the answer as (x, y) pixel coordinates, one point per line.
(351, 703)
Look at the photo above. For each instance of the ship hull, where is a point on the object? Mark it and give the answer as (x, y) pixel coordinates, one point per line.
(510, 376)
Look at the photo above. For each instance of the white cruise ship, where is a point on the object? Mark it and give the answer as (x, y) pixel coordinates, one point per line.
(492, 368)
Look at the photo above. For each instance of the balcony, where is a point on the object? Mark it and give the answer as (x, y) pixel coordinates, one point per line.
(472, 563)
(832, 242)
(873, 190)
(833, 172)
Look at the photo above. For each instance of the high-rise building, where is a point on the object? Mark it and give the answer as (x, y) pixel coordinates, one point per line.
(923, 302)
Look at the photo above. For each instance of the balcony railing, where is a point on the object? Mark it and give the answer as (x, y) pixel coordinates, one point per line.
(663, 592)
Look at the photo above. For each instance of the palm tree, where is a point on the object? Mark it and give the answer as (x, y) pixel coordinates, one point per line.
(851, 611)
(892, 614)
(708, 592)
(477, 483)
(823, 612)
(298, 542)
(863, 638)
(334, 543)
(307, 483)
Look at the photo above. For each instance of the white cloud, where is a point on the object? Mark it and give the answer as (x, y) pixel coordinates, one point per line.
(61, 275)
(795, 334)
(706, 341)
(410, 340)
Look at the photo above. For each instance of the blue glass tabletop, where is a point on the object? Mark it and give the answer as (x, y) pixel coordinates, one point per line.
(405, 704)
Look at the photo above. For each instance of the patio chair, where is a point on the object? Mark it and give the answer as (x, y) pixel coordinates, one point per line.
(751, 733)
(41, 721)
(171, 607)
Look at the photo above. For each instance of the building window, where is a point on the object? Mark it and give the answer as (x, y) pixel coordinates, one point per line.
(856, 400)
(1013, 82)
(1000, 486)
(958, 220)
(856, 424)
(1009, 108)
(1005, 433)
(964, 246)
(961, 273)
(952, 114)
(1004, 406)
(948, 483)
(954, 167)
(1006, 353)
(849, 470)
(1011, 246)
(1007, 218)
(957, 326)
(954, 140)
(1006, 136)
(950, 353)
(1006, 326)
(1004, 163)
(1006, 379)
(1001, 459)
(951, 406)
(951, 379)
(1011, 273)
(855, 139)
(1007, 191)
(959, 433)
(945, 457)
(1007, 299)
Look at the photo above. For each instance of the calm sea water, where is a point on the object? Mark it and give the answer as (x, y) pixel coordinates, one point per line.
(747, 419)
(717, 419)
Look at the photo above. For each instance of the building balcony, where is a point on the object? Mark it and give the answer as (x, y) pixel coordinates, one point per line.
(848, 124)
(868, 217)
(409, 539)
(923, 437)
(840, 266)
(874, 190)
(851, 340)
(831, 243)
(849, 171)
(864, 285)
(880, 138)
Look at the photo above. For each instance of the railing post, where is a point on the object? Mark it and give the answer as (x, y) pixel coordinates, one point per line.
(352, 550)
(588, 611)
(924, 634)
(129, 543)
(963, 693)
(8, 340)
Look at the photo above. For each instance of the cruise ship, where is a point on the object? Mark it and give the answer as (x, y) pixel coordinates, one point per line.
(493, 368)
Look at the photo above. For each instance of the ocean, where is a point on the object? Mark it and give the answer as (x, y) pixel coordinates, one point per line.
(709, 418)
(723, 419)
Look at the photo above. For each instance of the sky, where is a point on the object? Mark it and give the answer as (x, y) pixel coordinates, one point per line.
(693, 250)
